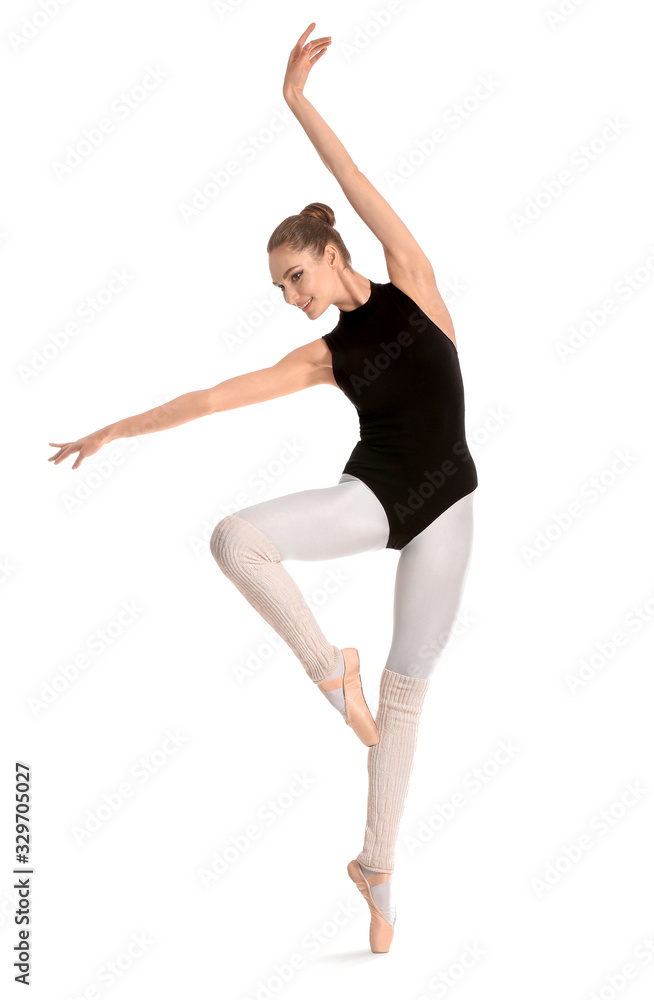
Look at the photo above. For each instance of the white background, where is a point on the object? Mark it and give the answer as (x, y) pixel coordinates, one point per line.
(137, 533)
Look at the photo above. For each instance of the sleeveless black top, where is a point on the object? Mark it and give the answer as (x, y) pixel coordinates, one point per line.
(402, 374)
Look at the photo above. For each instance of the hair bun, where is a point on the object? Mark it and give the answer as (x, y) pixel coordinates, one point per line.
(309, 232)
(320, 211)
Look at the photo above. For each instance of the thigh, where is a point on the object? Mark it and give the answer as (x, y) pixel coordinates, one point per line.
(429, 583)
(325, 523)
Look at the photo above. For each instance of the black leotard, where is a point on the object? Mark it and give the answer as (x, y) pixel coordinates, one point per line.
(402, 374)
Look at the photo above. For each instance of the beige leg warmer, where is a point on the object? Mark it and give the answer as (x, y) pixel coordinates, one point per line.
(390, 763)
(252, 562)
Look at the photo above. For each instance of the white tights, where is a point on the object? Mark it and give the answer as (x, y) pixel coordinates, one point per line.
(347, 519)
(330, 523)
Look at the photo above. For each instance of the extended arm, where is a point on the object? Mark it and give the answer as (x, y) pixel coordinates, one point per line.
(300, 369)
(404, 257)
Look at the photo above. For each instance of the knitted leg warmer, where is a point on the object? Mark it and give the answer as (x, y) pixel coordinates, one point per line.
(252, 562)
(390, 763)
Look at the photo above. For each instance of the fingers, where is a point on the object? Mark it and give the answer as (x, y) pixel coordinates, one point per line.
(314, 42)
(314, 49)
(314, 59)
(61, 454)
(320, 45)
(302, 39)
(318, 42)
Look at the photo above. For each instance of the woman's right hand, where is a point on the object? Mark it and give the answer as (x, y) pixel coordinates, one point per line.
(86, 446)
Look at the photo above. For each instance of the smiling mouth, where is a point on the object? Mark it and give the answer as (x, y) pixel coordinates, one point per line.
(306, 304)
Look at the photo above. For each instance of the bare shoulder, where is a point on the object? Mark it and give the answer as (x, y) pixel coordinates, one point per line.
(419, 283)
(318, 354)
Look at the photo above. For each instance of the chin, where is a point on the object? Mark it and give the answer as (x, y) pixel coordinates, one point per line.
(313, 312)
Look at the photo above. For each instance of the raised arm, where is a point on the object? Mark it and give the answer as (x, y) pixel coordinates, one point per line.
(405, 259)
(303, 367)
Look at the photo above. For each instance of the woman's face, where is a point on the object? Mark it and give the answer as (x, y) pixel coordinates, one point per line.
(305, 283)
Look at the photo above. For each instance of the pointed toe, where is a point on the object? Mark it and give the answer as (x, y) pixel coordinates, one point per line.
(381, 932)
(357, 713)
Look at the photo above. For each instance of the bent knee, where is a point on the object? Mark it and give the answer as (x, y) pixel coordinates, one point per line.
(234, 542)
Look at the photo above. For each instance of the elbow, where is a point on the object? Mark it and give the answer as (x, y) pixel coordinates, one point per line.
(210, 402)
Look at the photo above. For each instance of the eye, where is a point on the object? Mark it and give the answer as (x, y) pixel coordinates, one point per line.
(293, 276)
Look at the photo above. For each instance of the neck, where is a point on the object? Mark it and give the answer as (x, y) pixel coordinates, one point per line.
(356, 291)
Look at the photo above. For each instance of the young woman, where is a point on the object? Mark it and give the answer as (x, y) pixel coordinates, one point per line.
(408, 484)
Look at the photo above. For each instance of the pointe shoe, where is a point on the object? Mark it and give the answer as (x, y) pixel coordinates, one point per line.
(357, 713)
(381, 932)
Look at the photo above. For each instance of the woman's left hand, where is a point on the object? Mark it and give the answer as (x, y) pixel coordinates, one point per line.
(302, 59)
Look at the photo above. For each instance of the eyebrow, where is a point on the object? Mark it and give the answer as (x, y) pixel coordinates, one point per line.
(294, 268)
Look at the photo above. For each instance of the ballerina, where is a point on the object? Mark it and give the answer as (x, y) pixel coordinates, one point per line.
(409, 483)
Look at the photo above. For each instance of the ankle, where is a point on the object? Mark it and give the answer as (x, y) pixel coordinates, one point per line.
(332, 686)
(381, 891)
(334, 680)
(374, 877)
(377, 878)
